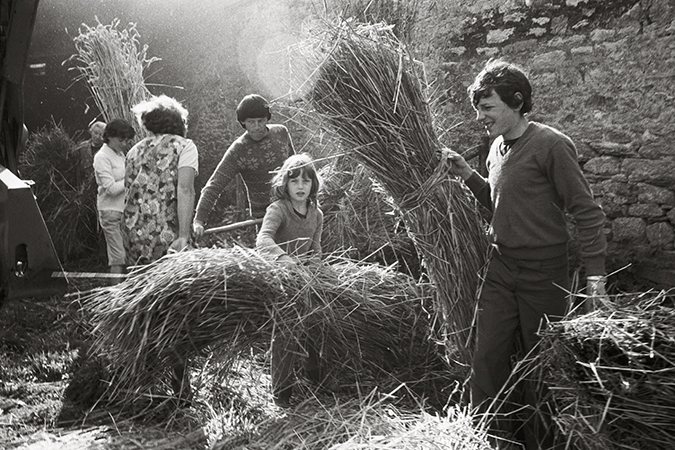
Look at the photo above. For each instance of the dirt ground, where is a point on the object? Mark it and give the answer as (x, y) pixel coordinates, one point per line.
(40, 344)
(49, 389)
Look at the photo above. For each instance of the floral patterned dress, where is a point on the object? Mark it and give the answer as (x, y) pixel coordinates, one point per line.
(151, 211)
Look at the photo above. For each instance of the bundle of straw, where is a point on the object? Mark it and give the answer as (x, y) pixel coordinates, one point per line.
(402, 16)
(369, 322)
(610, 374)
(359, 217)
(67, 202)
(373, 326)
(112, 63)
(372, 94)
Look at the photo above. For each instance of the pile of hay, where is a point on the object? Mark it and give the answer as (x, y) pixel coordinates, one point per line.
(611, 374)
(359, 218)
(371, 323)
(112, 62)
(371, 93)
(362, 424)
(67, 202)
(402, 16)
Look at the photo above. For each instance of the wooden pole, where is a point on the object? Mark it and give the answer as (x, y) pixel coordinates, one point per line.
(233, 226)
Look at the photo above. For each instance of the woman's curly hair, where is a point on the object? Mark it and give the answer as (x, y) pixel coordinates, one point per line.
(162, 115)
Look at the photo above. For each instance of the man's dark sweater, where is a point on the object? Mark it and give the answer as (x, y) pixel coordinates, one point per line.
(529, 188)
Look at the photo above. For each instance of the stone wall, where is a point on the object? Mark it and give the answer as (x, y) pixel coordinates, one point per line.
(603, 73)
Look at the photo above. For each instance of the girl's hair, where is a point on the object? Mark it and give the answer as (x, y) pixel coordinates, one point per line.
(295, 166)
(162, 115)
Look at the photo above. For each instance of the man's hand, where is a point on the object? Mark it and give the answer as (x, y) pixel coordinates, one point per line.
(596, 293)
(457, 165)
(198, 229)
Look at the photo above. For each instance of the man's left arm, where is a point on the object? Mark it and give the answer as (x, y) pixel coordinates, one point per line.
(575, 191)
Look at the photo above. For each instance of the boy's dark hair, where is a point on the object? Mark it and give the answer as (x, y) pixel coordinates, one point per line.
(118, 128)
(162, 115)
(253, 106)
(293, 167)
(507, 80)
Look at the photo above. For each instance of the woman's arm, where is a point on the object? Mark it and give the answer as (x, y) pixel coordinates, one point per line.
(186, 202)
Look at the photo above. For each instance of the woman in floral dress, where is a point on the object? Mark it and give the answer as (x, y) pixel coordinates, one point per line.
(160, 173)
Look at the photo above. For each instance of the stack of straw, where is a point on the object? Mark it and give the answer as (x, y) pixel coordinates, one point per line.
(359, 217)
(67, 203)
(611, 374)
(112, 63)
(370, 323)
(372, 95)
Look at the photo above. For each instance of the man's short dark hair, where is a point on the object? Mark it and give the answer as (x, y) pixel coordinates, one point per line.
(506, 79)
(253, 106)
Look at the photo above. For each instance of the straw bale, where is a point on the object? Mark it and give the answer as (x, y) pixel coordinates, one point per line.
(371, 323)
(67, 203)
(611, 374)
(360, 218)
(371, 93)
(112, 62)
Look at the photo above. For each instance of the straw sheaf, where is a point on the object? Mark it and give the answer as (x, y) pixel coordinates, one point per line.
(359, 216)
(371, 323)
(112, 63)
(610, 374)
(65, 192)
(371, 93)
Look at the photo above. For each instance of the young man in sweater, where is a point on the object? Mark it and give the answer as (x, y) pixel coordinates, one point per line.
(533, 179)
(255, 155)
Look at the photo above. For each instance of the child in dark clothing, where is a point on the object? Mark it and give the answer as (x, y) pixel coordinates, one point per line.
(291, 230)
